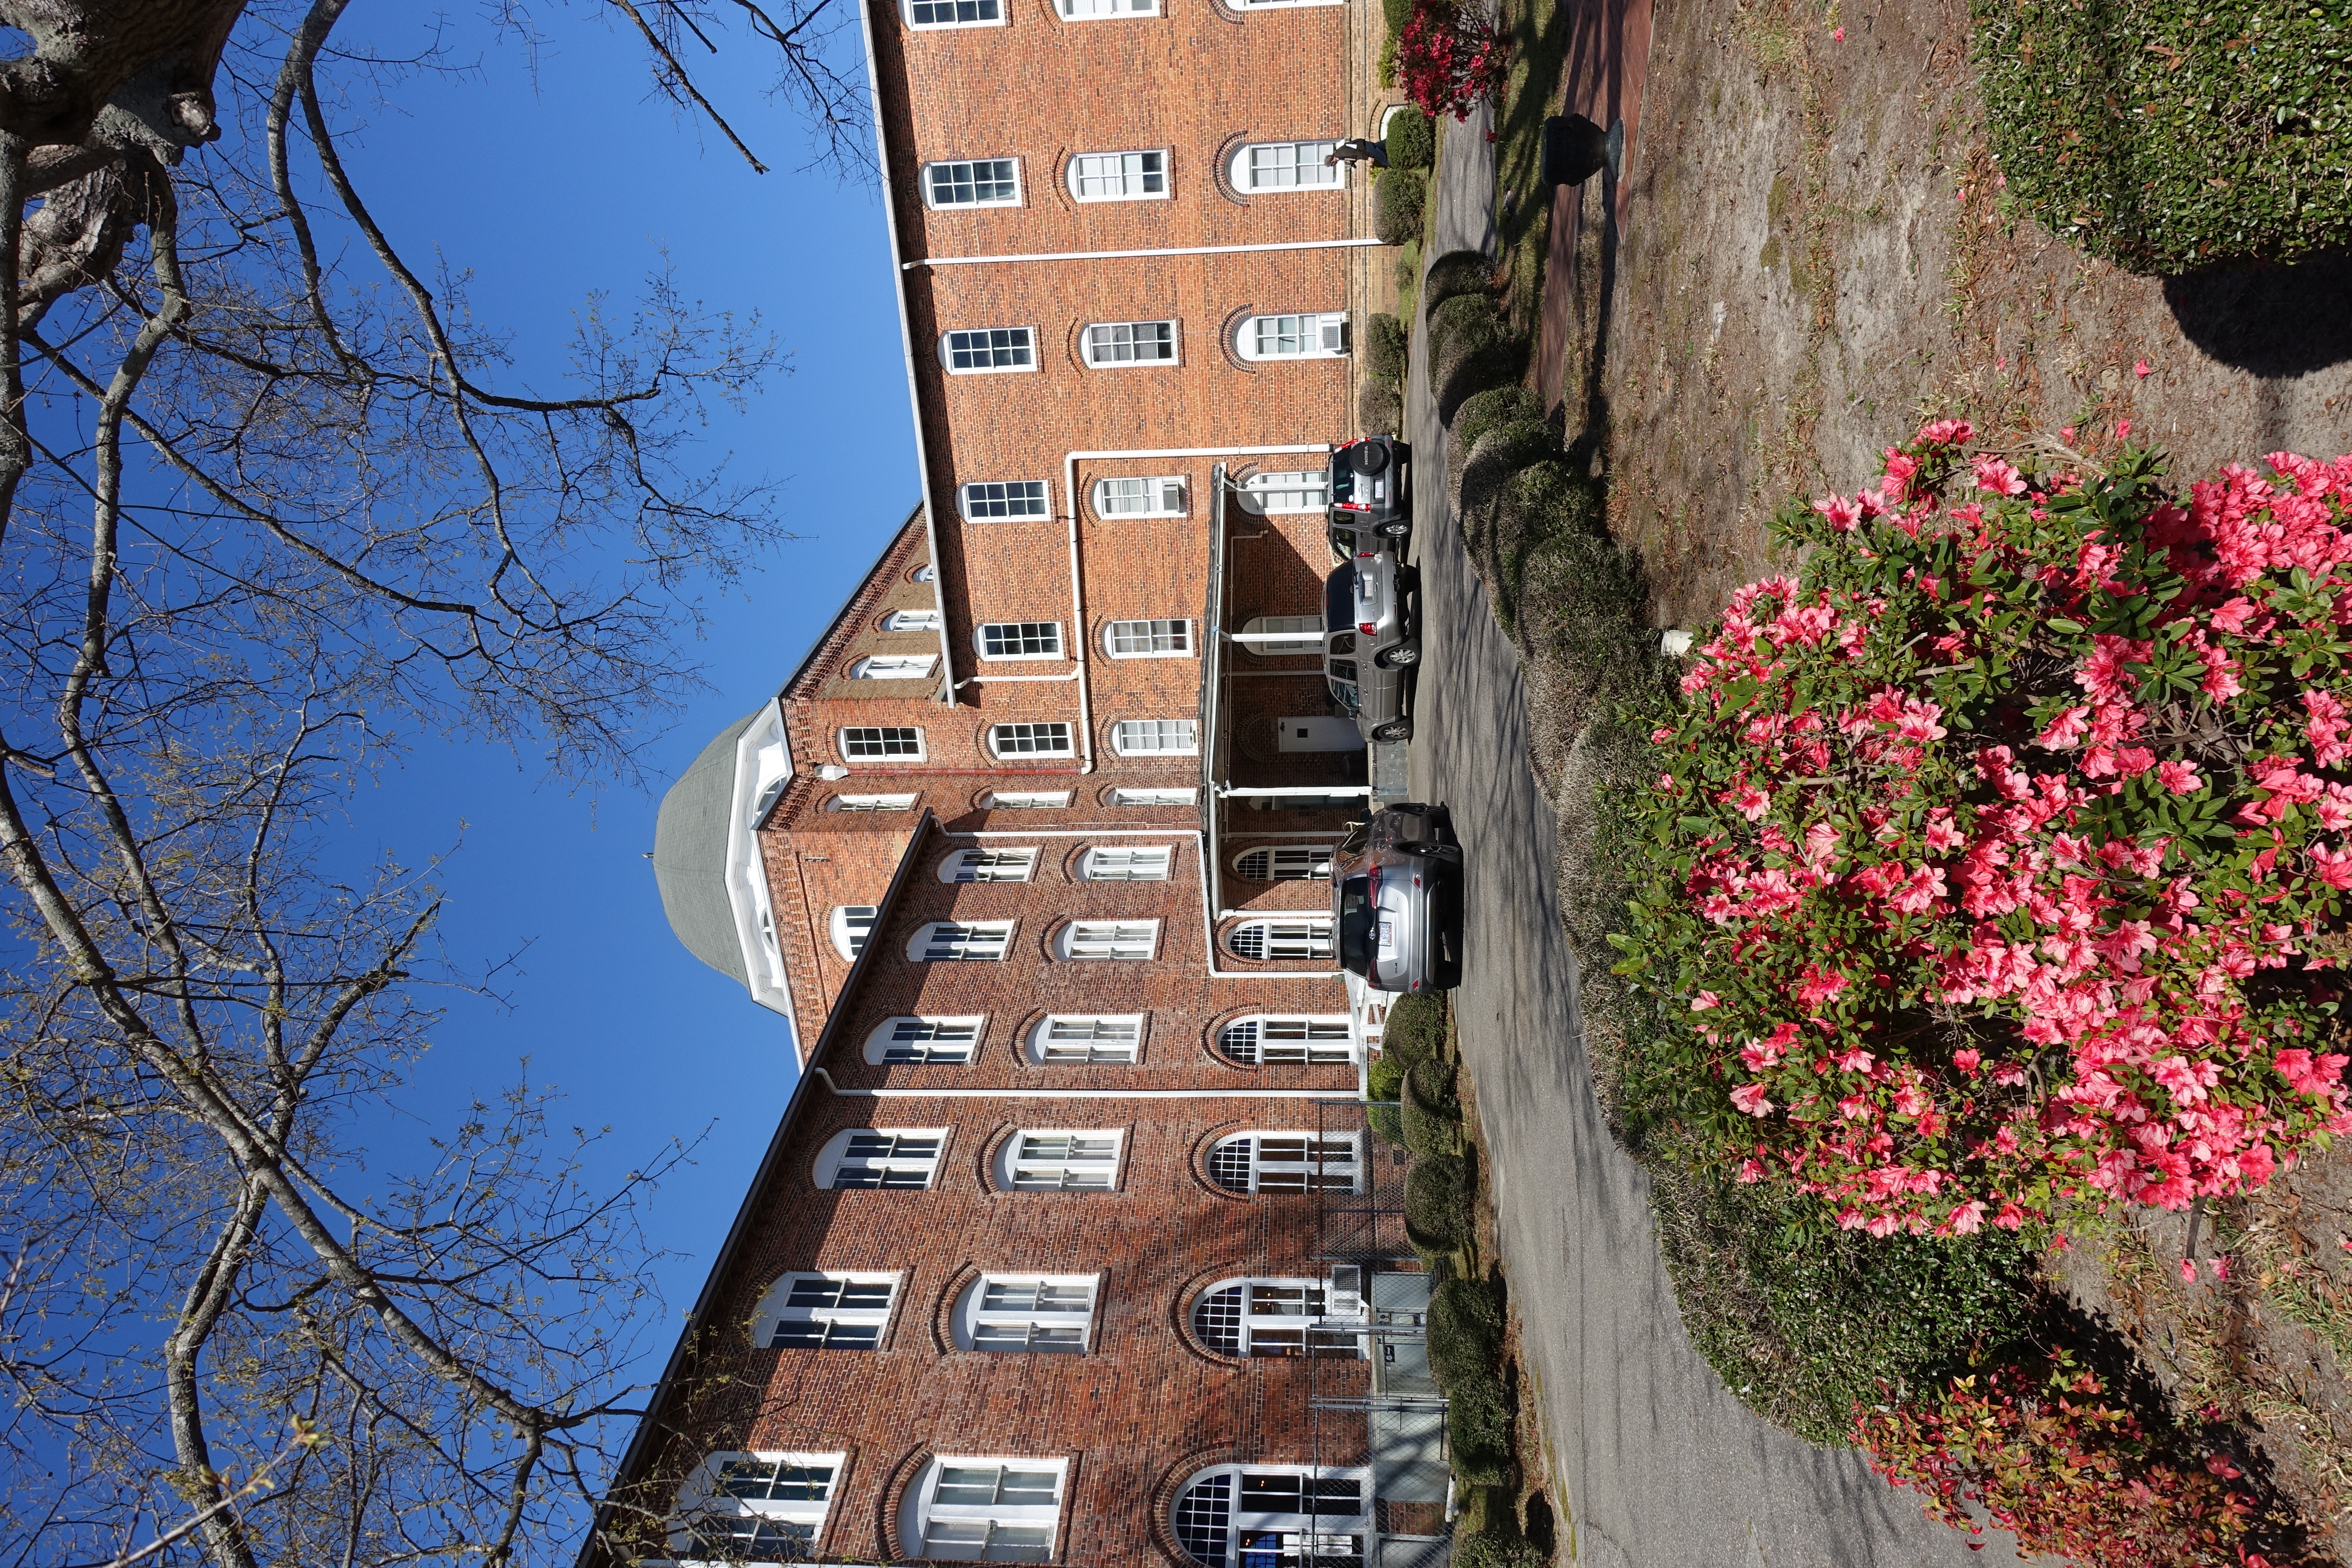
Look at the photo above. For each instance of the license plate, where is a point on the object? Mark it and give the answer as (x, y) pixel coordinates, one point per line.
(1388, 937)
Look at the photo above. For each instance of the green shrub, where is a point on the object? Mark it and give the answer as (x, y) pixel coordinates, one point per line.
(1397, 199)
(1384, 1079)
(1455, 273)
(1548, 501)
(1497, 1549)
(1429, 1115)
(1396, 14)
(1379, 407)
(2167, 136)
(1500, 454)
(1385, 345)
(1465, 1331)
(1487, 410)
(1415, 1029)
(1437, 1201)
(1411, 140)
(1471, 348)
(1479, 1429)
(1385, 68)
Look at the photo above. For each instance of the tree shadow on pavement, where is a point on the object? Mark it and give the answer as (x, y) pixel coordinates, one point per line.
(2271, 321)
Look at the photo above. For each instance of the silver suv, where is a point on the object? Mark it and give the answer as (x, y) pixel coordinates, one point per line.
(1371, 495)
(1371, 642)
(1396, 898)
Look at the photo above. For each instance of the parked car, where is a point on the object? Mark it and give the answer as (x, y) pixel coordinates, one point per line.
(1371, 642)
(1372, 497)
(1396, 899)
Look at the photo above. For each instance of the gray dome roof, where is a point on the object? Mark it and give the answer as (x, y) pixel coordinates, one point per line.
(691, 854)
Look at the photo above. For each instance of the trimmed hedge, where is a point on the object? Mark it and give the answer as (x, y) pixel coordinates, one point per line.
(1429, 1114)
(1397, 199)
(1465, 1331)
(1379, 407)
(1489, 409)
(1497, 1549)
(1384, 1077)
(1479, 1429)
(1385, 344)
(1471, 348)
(1412, 141)
(2167, 136)
(1455, 273)
(1437, 1201)
(1499, 457)
(1416, 1028)
(1396, 13)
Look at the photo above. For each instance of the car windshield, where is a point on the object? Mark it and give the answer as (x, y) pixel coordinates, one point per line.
(1343, 477)
(1339, 598)
(1356, 923)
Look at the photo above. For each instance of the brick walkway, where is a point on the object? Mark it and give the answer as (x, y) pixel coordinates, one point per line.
(1607, 56)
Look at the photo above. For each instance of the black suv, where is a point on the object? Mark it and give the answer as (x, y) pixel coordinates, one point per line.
(1372, 497)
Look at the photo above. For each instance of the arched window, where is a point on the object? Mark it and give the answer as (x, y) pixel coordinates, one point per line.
(1280, 1318)
(927, 573)
(1084, 1039)
(960, 941)
(984, 1510)
(755, 1508)
(924, 1040)
(988, 866)
(1285, 1163)
(825, 1312)
(1267, 166)
(1286, 636)
(860, 1158)
(850, 926)
(893, 667)
(1127, 863)
(1275, 1515)
(1274, 941)
(871, 803)
(1059, 1161)
(1025, 800)
(1271, 1040)
(1156, 737)
(1295, 334)
(1052, 1313)
(1286, 863)
(1139, 176)
(1137, 495)
(1275, 495)
(912, 620)
(1131, 941)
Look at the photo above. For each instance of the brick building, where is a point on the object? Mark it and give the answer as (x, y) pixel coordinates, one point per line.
(1071, 1245)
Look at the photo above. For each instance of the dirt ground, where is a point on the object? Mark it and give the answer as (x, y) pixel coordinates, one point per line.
(1814, 255)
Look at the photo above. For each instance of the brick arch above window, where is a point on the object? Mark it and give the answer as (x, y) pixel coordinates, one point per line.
(1221, 167)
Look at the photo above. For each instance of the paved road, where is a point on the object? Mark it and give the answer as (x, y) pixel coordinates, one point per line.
(1659, 1466)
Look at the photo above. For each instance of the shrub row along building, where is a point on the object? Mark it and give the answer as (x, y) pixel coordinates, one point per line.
(1073, 1246)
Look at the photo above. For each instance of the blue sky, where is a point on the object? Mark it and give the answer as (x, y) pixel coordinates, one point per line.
(551, 186)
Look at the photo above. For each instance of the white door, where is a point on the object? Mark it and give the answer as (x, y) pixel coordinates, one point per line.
(1319, 732)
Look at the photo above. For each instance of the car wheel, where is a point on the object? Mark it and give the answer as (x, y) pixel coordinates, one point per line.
(1368, 457)
(1396, 529)
(1399, 656)
(1429, 848)
(1394, 729)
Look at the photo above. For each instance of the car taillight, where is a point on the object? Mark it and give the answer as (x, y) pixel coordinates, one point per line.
(1372, 881)
(1367, 628)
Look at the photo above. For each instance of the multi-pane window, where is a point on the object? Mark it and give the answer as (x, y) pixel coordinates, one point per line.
(1130, 343)
(1287, 166)
(911, 621)
(1276, 1316)
(850, 926)
(1285, 1162)
(996, 500)
(876, 742)
(989, 866)
(917, 1041)
(1265, 635)
(1080, 1039)
(1118, 176)
(1128, 863)
(1290, 863)
(982, 349)
(1021, 640)
(1149, 640)
(1156, 738)
(830, 1311)
(1030, 1313)
(950, 942)
(973, 183)
(1272, 941)
(1266, 1040)
(1062, 1161)
(1081, 10)
(866, 1158)
(926, 572)
(1305, 335)
(955, 13)
(872, 803)
(1030, 740)
(1154, 796)
(1139, 495)
(1027, 799)
(759, 1507)
(1275, 1517)
(1129, 941)
(990, 1511)
(1275, 494)
(893, 667)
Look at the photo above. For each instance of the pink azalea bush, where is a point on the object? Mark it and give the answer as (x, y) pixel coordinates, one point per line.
(1449, 59)
(2001, 857)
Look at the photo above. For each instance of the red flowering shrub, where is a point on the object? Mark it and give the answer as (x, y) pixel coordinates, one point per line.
(1448, 58)
(2002, 856)
(2050, 1456)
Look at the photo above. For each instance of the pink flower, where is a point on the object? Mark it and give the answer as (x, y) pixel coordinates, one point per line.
(2333, 867)
(1751, 1170)
(1703, 1000)
(1841, 512)
(1998, 478)
(2180, 778)
(2220, 1265)
(1947, 433)
(1967, 1218)
(1750, 1097)
(1750, 802)
(2062, 732)
(1966, 1060)
(2123, 429)
(1837, 34)
(2009, 1218)
(2188, 1271)
(2141, 370)
(1856, 1060)
(1925, 887)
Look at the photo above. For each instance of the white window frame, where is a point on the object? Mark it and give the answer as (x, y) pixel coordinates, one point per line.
(926, 572)
(1302, 491)
(990, 863)
(1286, 863)
(979, 1528)
(1290, 1039)
(1027, 344)
(990, 1316)
(1163, 495)
(1326, 330)
(1242, 170)
(1261, 1328)
(962, 942)
(1091, 351)
(1108, 942)
(1026, 800)
(894, 667)
(1019, 628)
(1087, 1039)
(927, 1040)
(872, 803)
(1087, 1160)
(1039, 491)
(1128, 863)
(1314, 938)
(1148, 632)
(712, 1496)
(1165, 737)
(995, 21)
(1114, 10)
(868, 1326)
(1160, 797)
(1074, 176)
(1305, 633)
(844, 1154)
(885, 736)
(931, 198)
(851, 926)
(1298, 1537)
(1007, 740)
(919, 618)
(1288, 1161)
